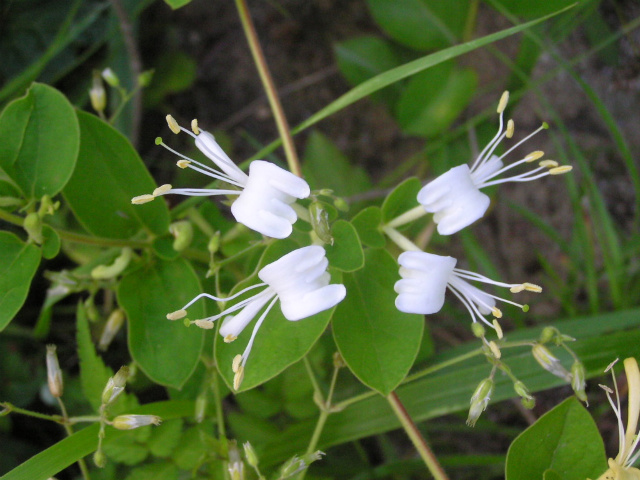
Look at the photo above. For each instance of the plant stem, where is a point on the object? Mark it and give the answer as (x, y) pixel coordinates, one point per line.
(408, 216)
(67, 427)
(403, 242)
(270, 89)
(12, 408)
(416, 437)
(215, 386)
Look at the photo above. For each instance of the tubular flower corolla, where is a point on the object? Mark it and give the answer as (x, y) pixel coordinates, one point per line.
(264, 196)
(299, 280)
(426, 277)
(455, 198)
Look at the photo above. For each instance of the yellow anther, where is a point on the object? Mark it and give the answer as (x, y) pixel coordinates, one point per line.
(194, 126)
(517, 288)
(498, 328)
(504, 99)
(237, 378)
(510, 128)
(531, 287)
(229, 338)
(204, 324)
(496, 312)
(183, 163)
(605, 388)
(494, 349)
(548, 164)
(235, 365)
(140, 199)
(162, 189)
(533, 156)
(560, 170)
(173, 125)
(177, 315)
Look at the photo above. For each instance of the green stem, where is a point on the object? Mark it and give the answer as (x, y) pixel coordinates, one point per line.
(67, 427)
(215, 386)
(10, 408)
(270, 89)
(416, 437)
(403, 242)
(408, 216)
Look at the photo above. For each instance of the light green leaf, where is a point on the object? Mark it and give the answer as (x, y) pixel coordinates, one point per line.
(377, 341)
(154, 471)
(108, 175)
(50, 242)
(346, 252)
(279, 342)
(18, 264)
(165, 438)
(168, 352)
(367, 223)
(563, 443)
(401, 199)
(421, 24)
(533, 8)
(434, 98)
(125, 449)
(175, 4)
(40, 141)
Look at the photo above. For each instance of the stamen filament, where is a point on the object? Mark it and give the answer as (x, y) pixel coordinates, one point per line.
(201, 192)
(212, 297)
(247, 350)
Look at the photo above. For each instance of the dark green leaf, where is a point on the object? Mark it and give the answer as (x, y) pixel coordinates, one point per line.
(108, 175)
(165, 438)
(377, 341)
(40, 141)
(175, 4)
(154, 471)
(346, 252)
(401, 199)
(563, 443)
(168, 352)
(50, 242)
(533, 8)
(18, 264)
(367, 223)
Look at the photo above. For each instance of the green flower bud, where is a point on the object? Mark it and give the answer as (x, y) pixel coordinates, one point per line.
(550, 363)
(341, 204)
(129, 422)
(111, 328)
(320, 222)
(480, 400)
(97, 93)
(54, 374)
(105, 272)
(115, 385)
(578, 380)
(478, 329)
(182, 232)
(200, 407)
(528, 403)
(547, 334)
(99, 459)
(214, 243)
(33, 226)
(110, 77)
(144, 79)
(250, 455)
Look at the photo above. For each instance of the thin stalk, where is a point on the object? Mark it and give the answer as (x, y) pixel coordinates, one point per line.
(416, 437)
(215, 387)
(270, 89)
(403, 242)
(67, 427)
(10, 408)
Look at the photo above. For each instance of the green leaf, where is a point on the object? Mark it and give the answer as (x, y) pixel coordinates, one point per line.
(327, 167)
(191, 449)
(533, 8)
(401, 199)
(18, 264)
(434, 98)
(165, 438)
(108, 175)
(50, 242)
(367, 223)
(154, 471)
(377, 341)
(125, 449)
(175, 4)
(346, 252)
(279, 343)
(40, 141)
(563, 443)
(421, 24)
(168, 352)
(364, 57)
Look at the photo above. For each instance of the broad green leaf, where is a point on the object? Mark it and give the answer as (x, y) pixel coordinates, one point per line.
(421, 24)
(18, 264)
(175, 71)
(154, 471)
(402, 199)
(50, 242)
(434, 98)
(40, 141)
(168, 352)
(564, 441)
(364, 57)
(125, 449)
(165, 438)
(56, 458)
(346, 252)
(279, 342)
(108, 175)
(408, 69)
(377, 341)
(327, 167)
(367, 223)
(175, 4)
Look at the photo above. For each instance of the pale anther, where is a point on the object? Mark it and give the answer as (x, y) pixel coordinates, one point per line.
(498, 328)
(610, 366)
(204, 324)
(229, 338)
(183, 163)
(504, 99)
(517, 289)
(533, 156)
(531, 287)
(173, 125)
(510, 129)
(605, 388)
(494, 349)
(140, 199)
(548, 163)
(162, 189)
(560, 170)
(238, 377)
(194, 126)
(177, 315)
(496, 312)
(236, 363)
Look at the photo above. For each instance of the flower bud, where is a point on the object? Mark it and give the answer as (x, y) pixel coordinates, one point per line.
(338, 360)
(528, 403)
(99, 459)
(214, 243)
(200, 407)
(111, 328)
(297, 464)
(33, 225)
(105, 272)
(250, 455)
(480, 400)
(110, 77)
(97, 93)
(236, 467)
(115, 385)
(182, 232)
(547, 334)
(341, 204)
(521, 389)
(550, 363)
(47, 206)
(478, 330)
(320, 222)
(578, 380)
(129, 422)
(144, 79)
(54, 374)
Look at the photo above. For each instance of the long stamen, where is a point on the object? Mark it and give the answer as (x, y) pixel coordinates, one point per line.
(483, 155)
(525, 177)
(200, 192)
(470, 305)
(544, 126)
(217, 299)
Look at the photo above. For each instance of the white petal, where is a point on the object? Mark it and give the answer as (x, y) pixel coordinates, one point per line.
(234, 324)
(454, 199)
(424, 282)
(313, 302)
(208, 145)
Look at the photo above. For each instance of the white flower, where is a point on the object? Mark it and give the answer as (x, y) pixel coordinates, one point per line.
(129, 422)
(425, 278)
(455, 198)
(264, 196)
(299, 280)
(621, 468)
